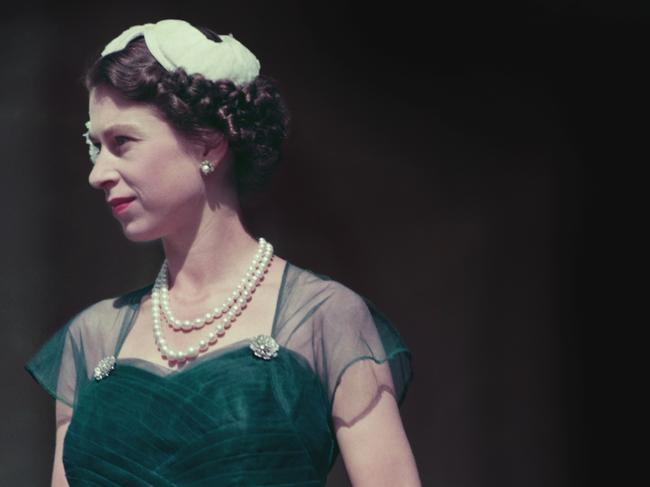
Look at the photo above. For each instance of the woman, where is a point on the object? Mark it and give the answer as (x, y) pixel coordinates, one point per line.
(185, 381)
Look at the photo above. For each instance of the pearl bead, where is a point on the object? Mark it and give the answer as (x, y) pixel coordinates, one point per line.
(232, 307)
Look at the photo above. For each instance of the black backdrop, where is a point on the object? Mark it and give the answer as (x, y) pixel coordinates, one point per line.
(443, 162)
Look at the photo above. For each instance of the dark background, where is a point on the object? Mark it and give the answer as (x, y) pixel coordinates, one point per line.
(446, 163)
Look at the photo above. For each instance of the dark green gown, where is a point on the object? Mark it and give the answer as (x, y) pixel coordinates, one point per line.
(227, 418)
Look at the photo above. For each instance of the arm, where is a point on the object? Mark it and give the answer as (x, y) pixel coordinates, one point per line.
(373, 444)
(64, 415)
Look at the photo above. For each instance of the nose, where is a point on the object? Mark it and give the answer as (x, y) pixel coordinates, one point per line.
(103, 173)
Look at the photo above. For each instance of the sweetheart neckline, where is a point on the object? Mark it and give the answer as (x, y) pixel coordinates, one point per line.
(135, 309)
(169, 373)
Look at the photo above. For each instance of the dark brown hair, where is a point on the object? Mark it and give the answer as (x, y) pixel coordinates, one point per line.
(253, 117)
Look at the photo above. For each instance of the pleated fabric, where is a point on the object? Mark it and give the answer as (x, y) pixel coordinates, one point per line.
(227, 418)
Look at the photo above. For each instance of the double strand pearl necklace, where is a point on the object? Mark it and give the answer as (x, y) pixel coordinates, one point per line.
(230, 309)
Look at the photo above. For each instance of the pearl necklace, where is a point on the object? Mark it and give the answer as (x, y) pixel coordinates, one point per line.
(231, 308)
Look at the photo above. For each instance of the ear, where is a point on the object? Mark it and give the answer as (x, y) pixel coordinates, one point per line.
(216, 148)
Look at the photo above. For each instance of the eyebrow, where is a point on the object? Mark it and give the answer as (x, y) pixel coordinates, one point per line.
(115, 128)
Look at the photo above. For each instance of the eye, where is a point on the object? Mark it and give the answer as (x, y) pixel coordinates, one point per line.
(119, 139)
(122, 137)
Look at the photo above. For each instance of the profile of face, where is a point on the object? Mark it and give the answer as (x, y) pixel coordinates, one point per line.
(141, 156)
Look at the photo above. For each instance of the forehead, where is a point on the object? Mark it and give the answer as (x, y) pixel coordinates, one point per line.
(107, 107)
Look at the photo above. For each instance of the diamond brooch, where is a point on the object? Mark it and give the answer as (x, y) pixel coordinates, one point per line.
(104, 367)
(264, 346)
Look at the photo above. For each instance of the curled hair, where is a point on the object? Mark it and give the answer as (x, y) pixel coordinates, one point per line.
(253, 117)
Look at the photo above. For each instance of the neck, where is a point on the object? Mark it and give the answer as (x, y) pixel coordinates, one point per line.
(212, 259)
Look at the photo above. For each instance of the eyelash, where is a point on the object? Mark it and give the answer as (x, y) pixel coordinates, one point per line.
(128, 139)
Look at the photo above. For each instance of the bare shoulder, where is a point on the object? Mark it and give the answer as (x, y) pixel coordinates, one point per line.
(92, 314)
(277, 269)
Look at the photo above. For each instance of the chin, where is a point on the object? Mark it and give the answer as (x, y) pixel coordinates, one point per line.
(134, 234)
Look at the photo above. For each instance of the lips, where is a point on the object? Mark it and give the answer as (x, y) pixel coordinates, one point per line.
(118, 201)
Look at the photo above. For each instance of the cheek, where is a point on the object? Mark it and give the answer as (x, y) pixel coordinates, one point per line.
(171, 186)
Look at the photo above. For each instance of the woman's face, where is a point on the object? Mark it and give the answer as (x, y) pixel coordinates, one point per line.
(142, 157)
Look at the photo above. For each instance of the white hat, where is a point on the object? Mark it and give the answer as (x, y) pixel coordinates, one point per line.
(178, 44)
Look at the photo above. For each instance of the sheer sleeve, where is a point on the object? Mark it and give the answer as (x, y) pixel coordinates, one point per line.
(59, 366)
(65, 362)
(362, 353)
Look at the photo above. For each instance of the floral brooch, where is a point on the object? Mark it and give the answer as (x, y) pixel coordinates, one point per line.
(264, 346)
(104, 367)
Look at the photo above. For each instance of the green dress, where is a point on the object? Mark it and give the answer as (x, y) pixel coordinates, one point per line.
(229, 417)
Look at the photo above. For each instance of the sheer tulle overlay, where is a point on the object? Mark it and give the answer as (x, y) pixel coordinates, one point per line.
(228, 417)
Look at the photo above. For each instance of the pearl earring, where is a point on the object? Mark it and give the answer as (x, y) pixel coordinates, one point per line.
(207, 167)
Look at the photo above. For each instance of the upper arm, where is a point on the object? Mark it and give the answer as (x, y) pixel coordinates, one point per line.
(63, 418)
(373, 444)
